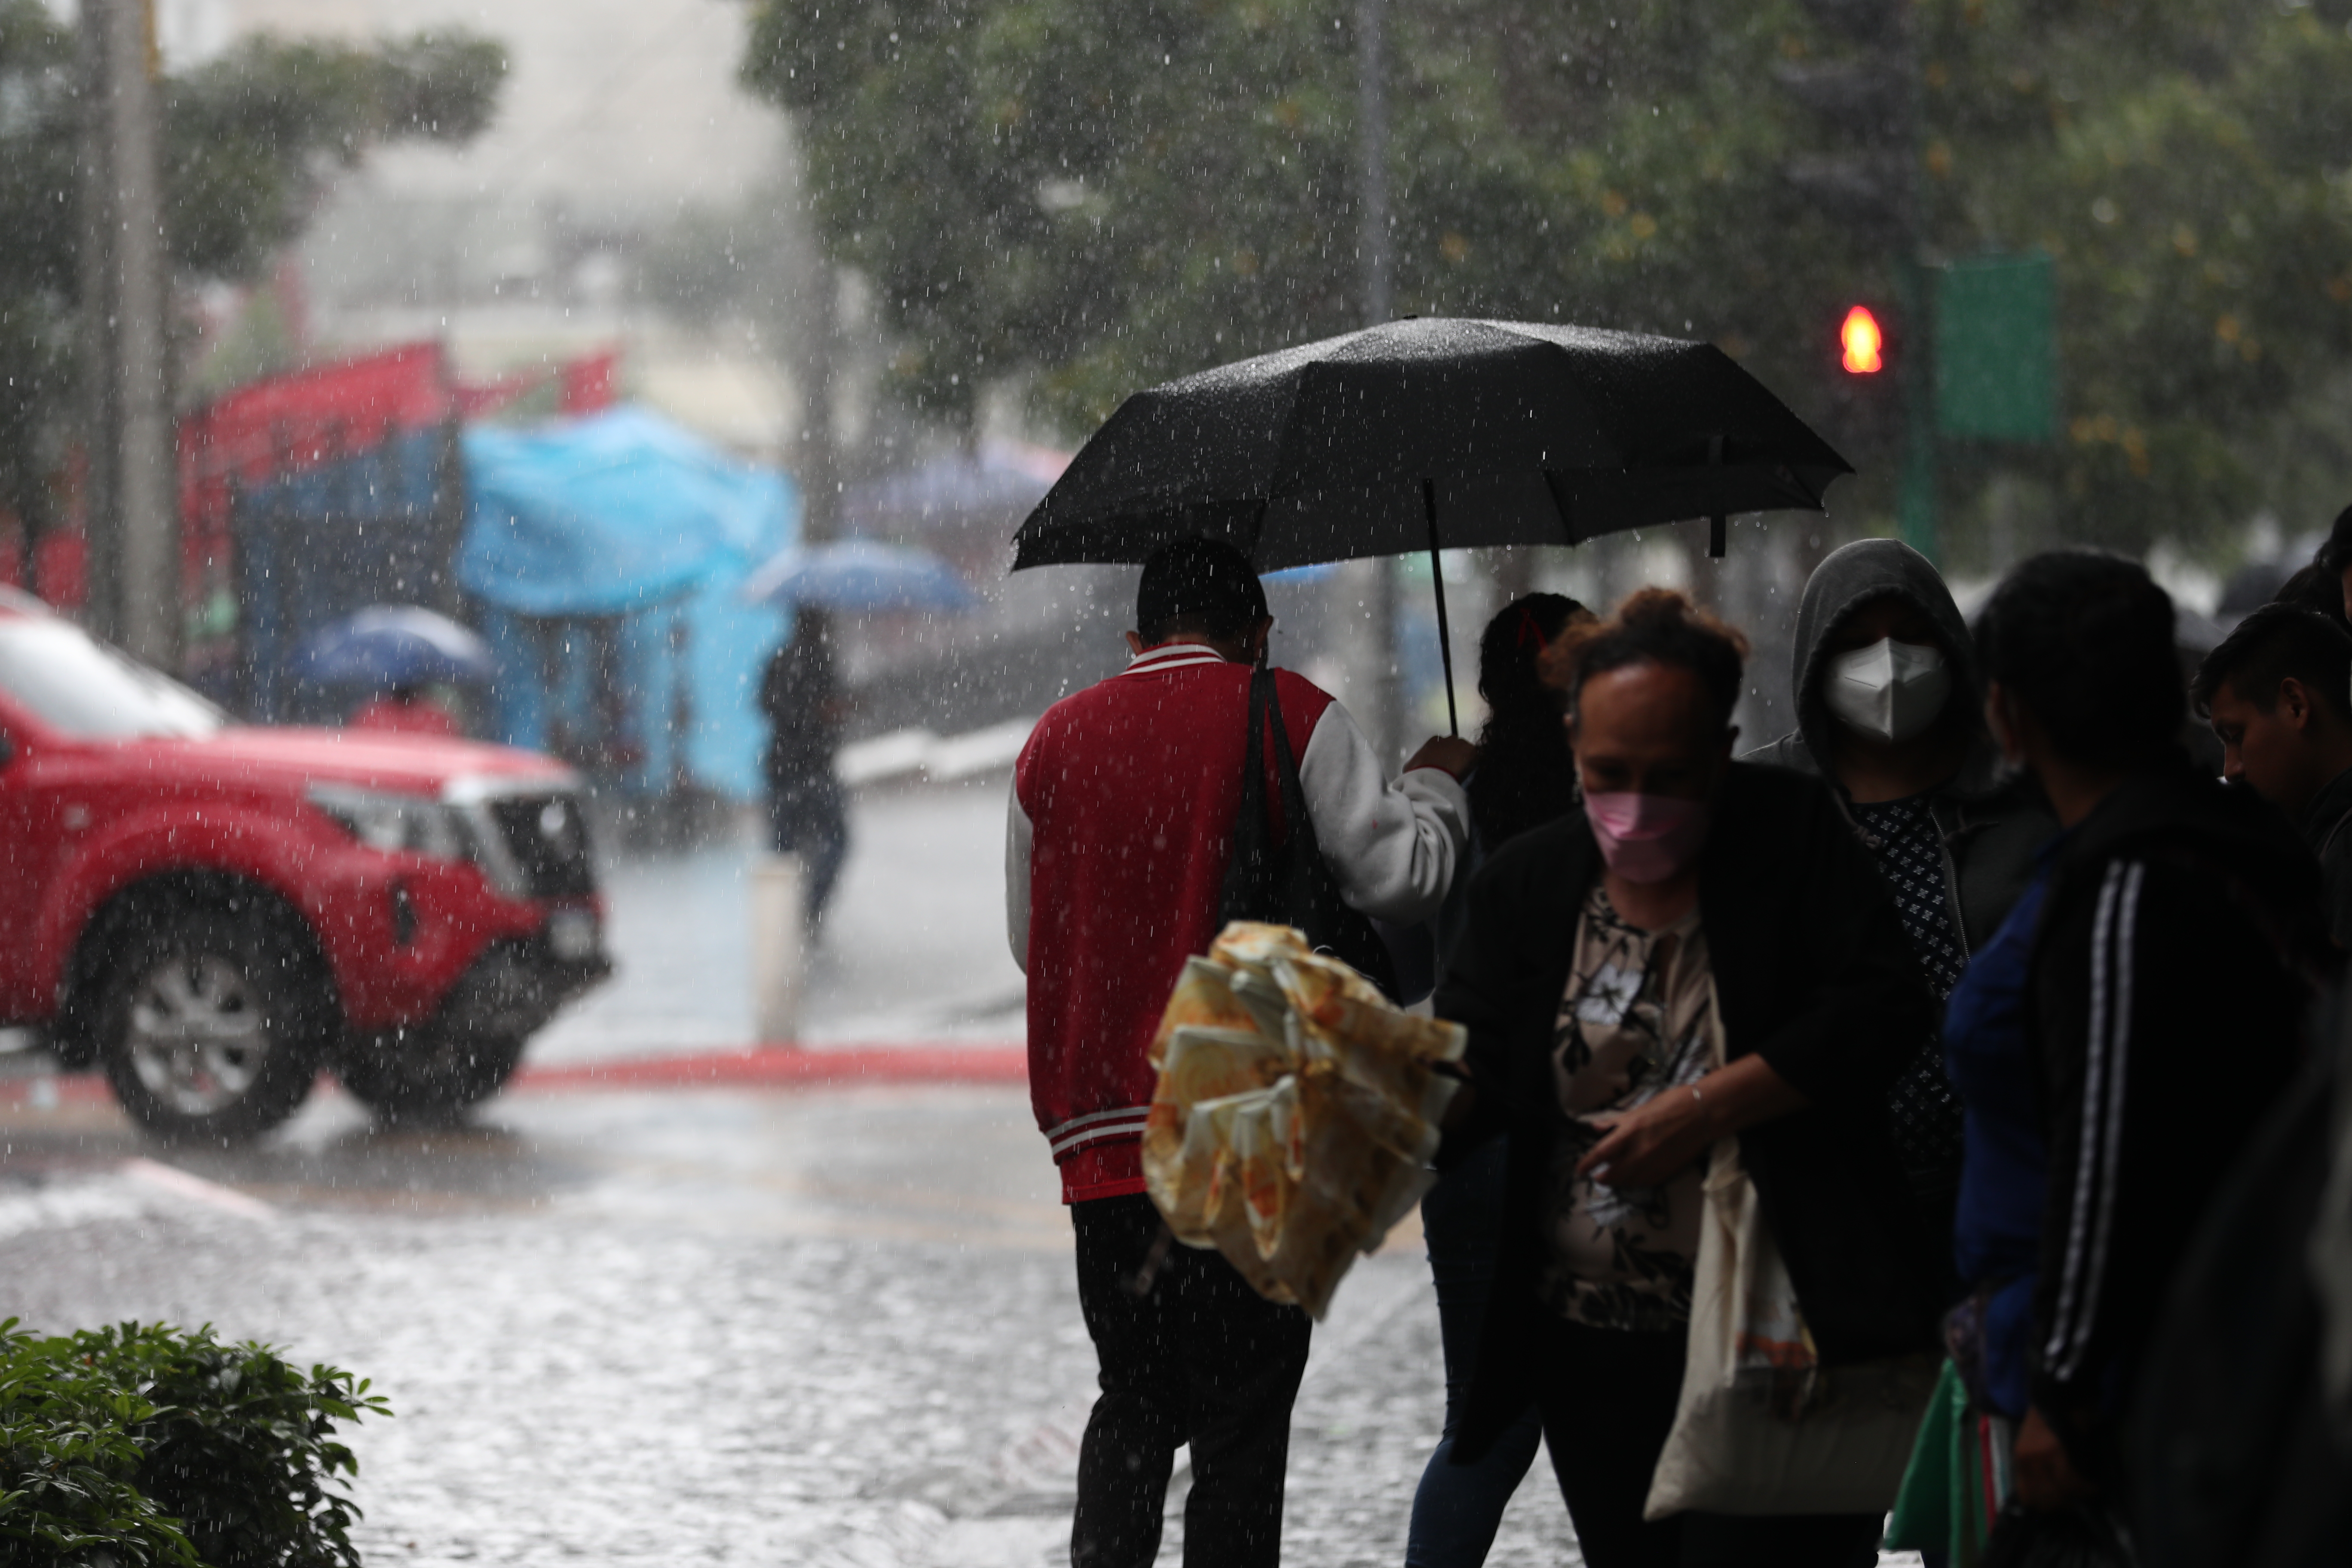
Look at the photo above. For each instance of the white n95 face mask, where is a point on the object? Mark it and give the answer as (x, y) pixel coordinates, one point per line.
(1892, 690)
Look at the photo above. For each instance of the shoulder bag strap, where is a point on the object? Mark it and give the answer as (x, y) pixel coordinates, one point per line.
(1309, 889)
(1253, 889)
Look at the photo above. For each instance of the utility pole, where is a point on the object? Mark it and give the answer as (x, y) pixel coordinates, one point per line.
(1372, 246)
(1384, 720)
(131, 512)
(805, 307)
(819, 443)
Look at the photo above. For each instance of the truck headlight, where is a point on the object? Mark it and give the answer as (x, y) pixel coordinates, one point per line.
(397, 824)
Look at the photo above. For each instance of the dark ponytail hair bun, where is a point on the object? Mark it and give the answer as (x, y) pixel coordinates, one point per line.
(1526, 775)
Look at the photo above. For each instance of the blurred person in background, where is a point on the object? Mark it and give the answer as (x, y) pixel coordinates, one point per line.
(2333, 562)
(1524, 778)
(1125, 806)
(1597, 947)
(1890, 710)
(2123, 1032)
(2278, 691)
(2317, 589)
(408, 710)
(802, 697)
(1526, 774)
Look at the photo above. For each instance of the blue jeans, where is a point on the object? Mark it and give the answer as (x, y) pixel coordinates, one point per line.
(1458, 1507)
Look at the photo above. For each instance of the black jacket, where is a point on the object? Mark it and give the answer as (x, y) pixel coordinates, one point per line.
(2328, 830)
(800, 697)
(2170, 978)
(1811, 971)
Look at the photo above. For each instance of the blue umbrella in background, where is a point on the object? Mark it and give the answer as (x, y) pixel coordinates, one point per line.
(393, 645)
(860, 577)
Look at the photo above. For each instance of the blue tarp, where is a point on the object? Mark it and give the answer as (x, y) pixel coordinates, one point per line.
(608, 514)
(625, 517)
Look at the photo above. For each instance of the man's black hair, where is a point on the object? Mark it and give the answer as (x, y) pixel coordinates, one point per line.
(2274, 644)
(1659, 625)
(2084, 642)
(1200, 586)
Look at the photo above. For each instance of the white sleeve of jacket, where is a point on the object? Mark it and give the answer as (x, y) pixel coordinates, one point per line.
(1018, 837)
(1393, 846)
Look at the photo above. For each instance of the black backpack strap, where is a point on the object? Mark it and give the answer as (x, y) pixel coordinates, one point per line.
(1311, 894)
(1253, 886)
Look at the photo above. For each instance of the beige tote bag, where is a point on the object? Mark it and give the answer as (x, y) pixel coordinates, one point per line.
(1762, 1426)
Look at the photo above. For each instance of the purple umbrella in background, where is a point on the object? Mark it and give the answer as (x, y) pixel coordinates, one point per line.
(858, 576)
(388, 646)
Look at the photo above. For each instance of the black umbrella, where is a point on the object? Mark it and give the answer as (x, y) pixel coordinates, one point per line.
(1401, 437)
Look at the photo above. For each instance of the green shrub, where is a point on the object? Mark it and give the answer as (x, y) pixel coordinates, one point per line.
(70, 1463)
(148, 1445)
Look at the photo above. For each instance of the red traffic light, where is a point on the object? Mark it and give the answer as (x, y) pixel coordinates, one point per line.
(1863, 341)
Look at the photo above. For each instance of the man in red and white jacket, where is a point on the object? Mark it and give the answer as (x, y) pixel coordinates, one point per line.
(1124, 804)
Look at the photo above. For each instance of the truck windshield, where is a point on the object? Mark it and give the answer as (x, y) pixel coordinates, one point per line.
(77, 685)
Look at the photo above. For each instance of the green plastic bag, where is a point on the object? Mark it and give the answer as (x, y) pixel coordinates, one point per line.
(1939, 1501)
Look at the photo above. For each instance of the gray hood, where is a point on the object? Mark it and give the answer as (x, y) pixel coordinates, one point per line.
(1854, 573)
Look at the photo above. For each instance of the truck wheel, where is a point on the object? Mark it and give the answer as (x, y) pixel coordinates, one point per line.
(208, 1028)
(430, 1074)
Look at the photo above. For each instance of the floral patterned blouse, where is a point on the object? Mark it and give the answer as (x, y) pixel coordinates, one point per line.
(1633, 1023)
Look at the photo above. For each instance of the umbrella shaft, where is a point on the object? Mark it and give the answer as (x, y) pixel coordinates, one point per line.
(1444, 629)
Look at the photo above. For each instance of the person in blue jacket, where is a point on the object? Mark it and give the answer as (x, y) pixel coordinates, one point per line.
(2125, 1030)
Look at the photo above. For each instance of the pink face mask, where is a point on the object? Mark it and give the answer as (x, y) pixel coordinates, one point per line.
(1647, 838)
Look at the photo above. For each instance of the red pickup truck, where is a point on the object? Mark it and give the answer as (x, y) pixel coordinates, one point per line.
(210, 913)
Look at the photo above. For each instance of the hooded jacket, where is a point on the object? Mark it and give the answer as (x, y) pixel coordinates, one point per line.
(2179, 947)
(1991, 828)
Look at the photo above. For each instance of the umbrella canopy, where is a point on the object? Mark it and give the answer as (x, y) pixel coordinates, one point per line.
(1493, 432)
(1428, 433)
(392, 645)
(859, 577)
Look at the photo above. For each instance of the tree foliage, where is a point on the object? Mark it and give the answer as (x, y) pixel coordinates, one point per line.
(244, 135)
(1096, 194)
(247, 140)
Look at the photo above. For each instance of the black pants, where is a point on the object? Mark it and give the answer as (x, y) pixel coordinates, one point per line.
(1608, 1400)
(1201, 1359)
(808, 817)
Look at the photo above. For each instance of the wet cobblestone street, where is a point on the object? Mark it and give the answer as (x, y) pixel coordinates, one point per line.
(692, 1327)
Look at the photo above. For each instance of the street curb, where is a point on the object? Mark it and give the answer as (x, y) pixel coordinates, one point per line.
(70, 1089)
(768, 1067)
(782, 1067)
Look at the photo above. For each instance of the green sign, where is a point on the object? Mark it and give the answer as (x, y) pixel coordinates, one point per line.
(1997, 349)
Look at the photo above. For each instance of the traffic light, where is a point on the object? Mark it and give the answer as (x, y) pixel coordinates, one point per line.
(1862, 342)
(1863, 351)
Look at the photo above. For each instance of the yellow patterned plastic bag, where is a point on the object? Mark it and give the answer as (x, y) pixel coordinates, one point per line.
(1296, 1113)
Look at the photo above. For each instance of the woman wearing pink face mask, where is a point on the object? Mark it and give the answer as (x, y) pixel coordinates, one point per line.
(1596, 948)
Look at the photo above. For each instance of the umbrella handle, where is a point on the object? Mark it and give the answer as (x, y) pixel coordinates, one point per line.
(1437, 577)
(1718, 526)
